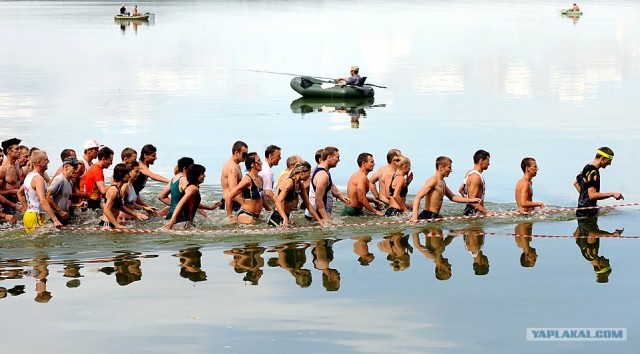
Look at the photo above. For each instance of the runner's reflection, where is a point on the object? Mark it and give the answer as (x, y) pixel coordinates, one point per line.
(40, 273)
(191, 263)
(126, 267)
(248, 260)
(72, 270)
(397, 248)
(361, 248)
(322, 257)
(523, 232)
(473, 243)
(292, 257)
(587, 236)
(433, 248)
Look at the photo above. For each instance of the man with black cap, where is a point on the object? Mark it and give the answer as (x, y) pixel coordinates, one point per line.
(61, 188)
(11, 175)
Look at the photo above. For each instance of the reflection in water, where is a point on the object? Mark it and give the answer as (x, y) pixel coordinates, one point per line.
(473, 242)
(588, 239)
(126, 267)
(292, 257)
(40, 273)
(529, 256)
(124, 24)
(433, 248)
(322, 257)
(397, 248)
(354, 108)
(248, 260)
(72, 270)
(574, 18)
(191, 263)
(361, 248)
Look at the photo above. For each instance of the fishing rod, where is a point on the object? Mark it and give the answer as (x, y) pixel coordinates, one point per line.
(291, 74)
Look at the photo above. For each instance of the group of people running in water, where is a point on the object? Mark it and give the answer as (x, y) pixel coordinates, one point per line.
(26, 188)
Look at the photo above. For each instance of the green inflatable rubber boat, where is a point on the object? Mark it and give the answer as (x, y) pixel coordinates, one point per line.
(571, 13)
(309, 86)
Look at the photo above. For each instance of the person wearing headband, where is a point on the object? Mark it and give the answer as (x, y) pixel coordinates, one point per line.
(587, 184)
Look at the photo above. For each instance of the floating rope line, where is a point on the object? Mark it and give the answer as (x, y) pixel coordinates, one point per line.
(340, 226)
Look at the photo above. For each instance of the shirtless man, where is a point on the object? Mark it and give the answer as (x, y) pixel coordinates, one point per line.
(358, 187)
(231, 173)
(272, 156)
(473, 185)
(383, 176)
(11, 176)
(434, 191)
(33, 194)
(148, 155)
(524, 187)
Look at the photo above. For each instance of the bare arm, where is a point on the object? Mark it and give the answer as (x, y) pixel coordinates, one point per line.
(235, 191)
(474, 188)
(321, 182)
(372, 184)
(305, 199)
(154, 176)
(361, 190)
(38, 184)
(421, 193)
(111, 195)
(459, 199)
(164, 194)
(594, 195)
(188, 193)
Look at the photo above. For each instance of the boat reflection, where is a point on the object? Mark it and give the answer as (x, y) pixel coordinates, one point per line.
(354, 108)
(126, 24)
(574, 18)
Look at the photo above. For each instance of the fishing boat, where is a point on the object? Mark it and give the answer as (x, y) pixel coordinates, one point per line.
(571, 13)
(139, 17)
(309, 86)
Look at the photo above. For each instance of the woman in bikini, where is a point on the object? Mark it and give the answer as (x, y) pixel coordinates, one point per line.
(254, 198)
(288, 192)
(114, 200)
(398, 188)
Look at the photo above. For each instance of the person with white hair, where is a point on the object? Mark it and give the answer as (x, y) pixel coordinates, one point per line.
(353, 79)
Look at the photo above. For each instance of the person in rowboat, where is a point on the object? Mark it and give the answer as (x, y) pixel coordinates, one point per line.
(135, 11)
(354, 79)
(123, 10)
(575, 7)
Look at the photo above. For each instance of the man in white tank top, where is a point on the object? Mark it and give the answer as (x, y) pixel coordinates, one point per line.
(473, 184)
(32, 194)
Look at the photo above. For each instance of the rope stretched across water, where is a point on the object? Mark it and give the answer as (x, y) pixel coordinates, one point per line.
(343, 225)
(347, 225)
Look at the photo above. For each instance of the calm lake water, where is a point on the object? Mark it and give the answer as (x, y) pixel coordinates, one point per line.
(512, 77)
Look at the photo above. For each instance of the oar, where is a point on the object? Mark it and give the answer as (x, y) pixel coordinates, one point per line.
(290, 74)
